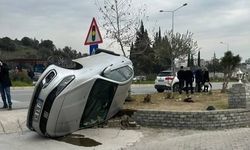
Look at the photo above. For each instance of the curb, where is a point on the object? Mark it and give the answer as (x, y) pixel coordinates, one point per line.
(21, 88)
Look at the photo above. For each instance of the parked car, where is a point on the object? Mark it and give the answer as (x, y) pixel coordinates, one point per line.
(166, 80)
(68, 99)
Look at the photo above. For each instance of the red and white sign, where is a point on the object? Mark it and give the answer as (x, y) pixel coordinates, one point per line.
(94, 35)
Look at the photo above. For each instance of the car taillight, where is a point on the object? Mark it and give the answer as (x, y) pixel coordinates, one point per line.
(169, 78)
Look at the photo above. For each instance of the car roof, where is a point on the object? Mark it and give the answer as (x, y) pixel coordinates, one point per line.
(101, 60)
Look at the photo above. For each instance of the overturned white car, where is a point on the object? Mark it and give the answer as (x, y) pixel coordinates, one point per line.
(66, 100)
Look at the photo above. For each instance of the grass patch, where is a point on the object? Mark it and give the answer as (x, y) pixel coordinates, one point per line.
(161, 101)
(144, 82)
(21, 83)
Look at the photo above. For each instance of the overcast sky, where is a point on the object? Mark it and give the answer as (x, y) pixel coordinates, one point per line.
(66, 22)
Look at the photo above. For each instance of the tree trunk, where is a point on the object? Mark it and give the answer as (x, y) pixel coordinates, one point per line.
(224, 87)
(225, 83)
(122, 48)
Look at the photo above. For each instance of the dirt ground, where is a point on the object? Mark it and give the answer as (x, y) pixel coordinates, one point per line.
(164, 101)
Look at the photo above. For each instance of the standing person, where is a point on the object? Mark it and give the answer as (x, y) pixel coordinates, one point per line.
(181, 77)
(205, 79)
(198, 79)
(30, 73)
(5, 84)
(189, 78)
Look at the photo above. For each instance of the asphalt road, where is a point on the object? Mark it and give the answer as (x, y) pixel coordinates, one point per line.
(20, 97)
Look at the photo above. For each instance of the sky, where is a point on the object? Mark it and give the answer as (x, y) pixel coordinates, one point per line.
(217, 25)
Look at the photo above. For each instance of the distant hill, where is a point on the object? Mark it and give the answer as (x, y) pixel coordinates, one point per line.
(27, 48)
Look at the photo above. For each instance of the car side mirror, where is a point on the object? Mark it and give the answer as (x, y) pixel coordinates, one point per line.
(107, 71)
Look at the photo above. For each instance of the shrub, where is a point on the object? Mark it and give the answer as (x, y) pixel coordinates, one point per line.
(20, 76)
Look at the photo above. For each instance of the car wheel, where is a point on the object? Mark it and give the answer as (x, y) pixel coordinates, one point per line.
(176, 87)
(160, 90)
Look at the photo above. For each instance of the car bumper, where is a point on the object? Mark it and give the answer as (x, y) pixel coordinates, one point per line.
(162, 87)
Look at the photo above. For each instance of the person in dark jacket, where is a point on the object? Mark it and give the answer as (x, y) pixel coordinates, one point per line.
(30, 73)
(189, 78)
(198, 79)
(5, 84)
(181, 77)
(205, 79)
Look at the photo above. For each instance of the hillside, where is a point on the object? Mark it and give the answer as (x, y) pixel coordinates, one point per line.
(27, 48)
(21, 52)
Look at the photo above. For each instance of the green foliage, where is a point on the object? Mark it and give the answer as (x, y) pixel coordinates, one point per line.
(7, 44)
(21, 77)
(199, 58)
(161, 48)
(214, 65)
(44, 53)
(143, 82)
(192, 61)
(26, 41)
(141, 54)
(151, 77)
(229, 63)
(31, 48)
(189, 60)
(48, 44)
(21, 83)
(33, 43)
(173, 46)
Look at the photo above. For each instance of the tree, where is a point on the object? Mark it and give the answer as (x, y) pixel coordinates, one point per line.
(177, 46)
(7, 44)
(26, 41)
(199, 59)
(214, 65)
(192, 61)
(141, 54)
(229, 63)
(160, 63)
(119, 21)
(189, 60)
(35, 43)
(160, 47)
(47, 44)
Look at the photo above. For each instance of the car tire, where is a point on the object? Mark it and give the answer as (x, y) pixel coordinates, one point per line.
(160, 90)
(176, 87)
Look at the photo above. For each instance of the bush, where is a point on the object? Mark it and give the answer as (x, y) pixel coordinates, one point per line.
(20, 76)
(151, 77)
(21, 83)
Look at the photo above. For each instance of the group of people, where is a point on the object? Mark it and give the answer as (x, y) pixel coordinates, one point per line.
(187, 77)
(5, 84)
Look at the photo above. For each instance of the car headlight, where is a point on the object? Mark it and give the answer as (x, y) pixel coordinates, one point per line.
(49, 77)
(64, 83)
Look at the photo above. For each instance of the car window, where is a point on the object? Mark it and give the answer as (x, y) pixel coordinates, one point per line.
(161, 74)
(120, 74)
